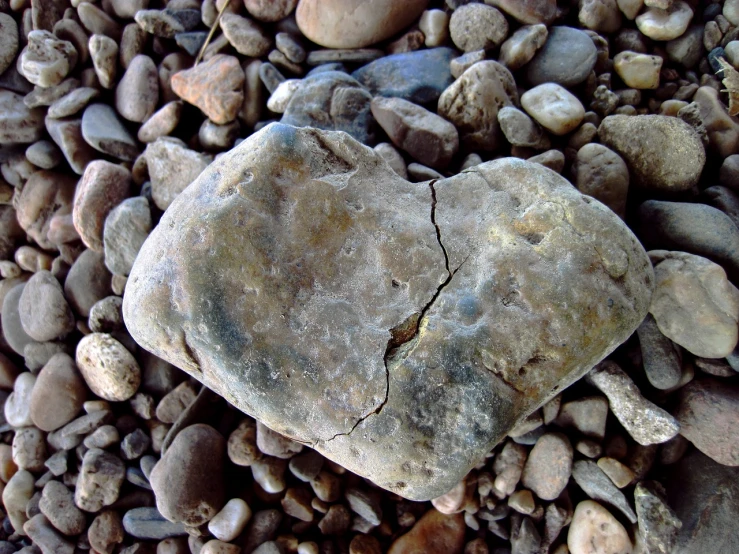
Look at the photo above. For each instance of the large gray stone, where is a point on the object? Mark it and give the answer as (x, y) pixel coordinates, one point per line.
(316, 290)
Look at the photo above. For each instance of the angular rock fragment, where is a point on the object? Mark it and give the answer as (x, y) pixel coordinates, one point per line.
(408, 327)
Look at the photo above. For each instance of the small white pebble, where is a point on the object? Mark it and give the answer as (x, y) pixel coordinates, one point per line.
(308, 548)
(280, 98)
(228, 524)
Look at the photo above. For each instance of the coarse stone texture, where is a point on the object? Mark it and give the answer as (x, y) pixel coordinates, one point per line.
(548, 466)
(100, 479)
(47, 60)
(639, 71)
(434, 533)
(57, 504)
(661, 357)
(705, 497)
(126, 229)
(103, 186)
(413, 373)
(601, 173)
(108, 368)
(646, 422)
(418, 77)
(430, 139)
(567, 58)
(332, 100)
(472, 102)
(18, 122)
(598, 486)
(67, 134)
(522, 45)
(663, 153)
(594, 530)
(8, 42)
(58, 394)
(355, 23)
(553, 107)
(104, 54)
(188, 479)
(172, 166)
(708, 412)
(44, 312)
(658, 523)
(477, 27)
(694, 304)
(527, 11)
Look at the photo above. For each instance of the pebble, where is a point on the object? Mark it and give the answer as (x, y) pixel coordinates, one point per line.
(567, 58)
(617, 472)
(598, 486)
(662, 359)
(477, 27)
(16, 495)
(57, 504)
(96, 21)
(49, 409)
(290, 47)
(453, 501)
(707, 412)
(218, 547)
(126, 228)
(508, 466)
(218, 137)
(87, 282)
(419, 77)
(269, 473)
(270, 10)
(44, 154)
(215, 86)
(522, 501)
(228, 524)
(434, 533)
(354, 24)
(102, 130)
(18, 405)
(108, 367)
(134, 445)
(427, 137)
(104, 54)
(472, 102)
(137, 93)
(602, 16)
(528, 11)
(520, 48)
(553, 107)
(100, 479)
(8, 42)
(242, 445)
(520, 130)
(188, 479)
(594, 530)
(659, 24)
(359, 56)
(44, 312)
(161, 123)
(19, 123)
(47, 60)
(723, 130)
(147, 523)
(282, 95)
(365, 503)
(548, 466)
(245, 36)
(588, 415)
(601, 173)
(46, 537)
(461, 64)
(647, 144)
(29, 449)
(13, 331)
(639, 71)
(434, 24)
(297, 503)
(167, 23)
(175, 402)
(103, 186)
(646, 422)
(72, 103)
(67, 134)
(172, 166)
(102, 437)
(332, 100)
(105, 532)
(658, 524)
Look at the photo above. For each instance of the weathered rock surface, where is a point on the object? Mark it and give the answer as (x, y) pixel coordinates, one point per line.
(401, 369)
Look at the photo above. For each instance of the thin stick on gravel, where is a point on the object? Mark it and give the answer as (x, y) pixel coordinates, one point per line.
(211, 33)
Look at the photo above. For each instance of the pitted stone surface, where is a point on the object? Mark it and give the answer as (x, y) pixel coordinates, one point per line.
(401, 329)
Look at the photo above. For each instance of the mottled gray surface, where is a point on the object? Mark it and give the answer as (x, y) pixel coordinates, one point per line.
(316, 295)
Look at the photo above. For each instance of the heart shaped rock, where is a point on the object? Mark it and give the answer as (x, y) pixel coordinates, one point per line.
(401, 329)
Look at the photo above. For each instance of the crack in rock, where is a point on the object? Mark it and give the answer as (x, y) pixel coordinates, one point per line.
(399, 334)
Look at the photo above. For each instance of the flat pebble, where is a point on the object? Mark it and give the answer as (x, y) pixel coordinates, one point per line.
(707, 411)
(67, 134)
(658, 523)
(548, 466)
(553, 107)
(477, 27)
(188, 479)
(57, 504)
(659, 24)
(72, 103)
(102, 130)
(148, 523)
(594, 530)
(97, 21)
(246, 36)
(639, 71)
(43, 534)
(108, 367)
(662, 359)
(44, 312)
(49, 409)
(695, 305)
(228, 524)
(100, 479)
(567, 58)
(598, 486)
(137, 93)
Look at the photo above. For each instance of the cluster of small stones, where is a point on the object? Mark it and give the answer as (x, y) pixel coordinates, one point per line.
(105, 119)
